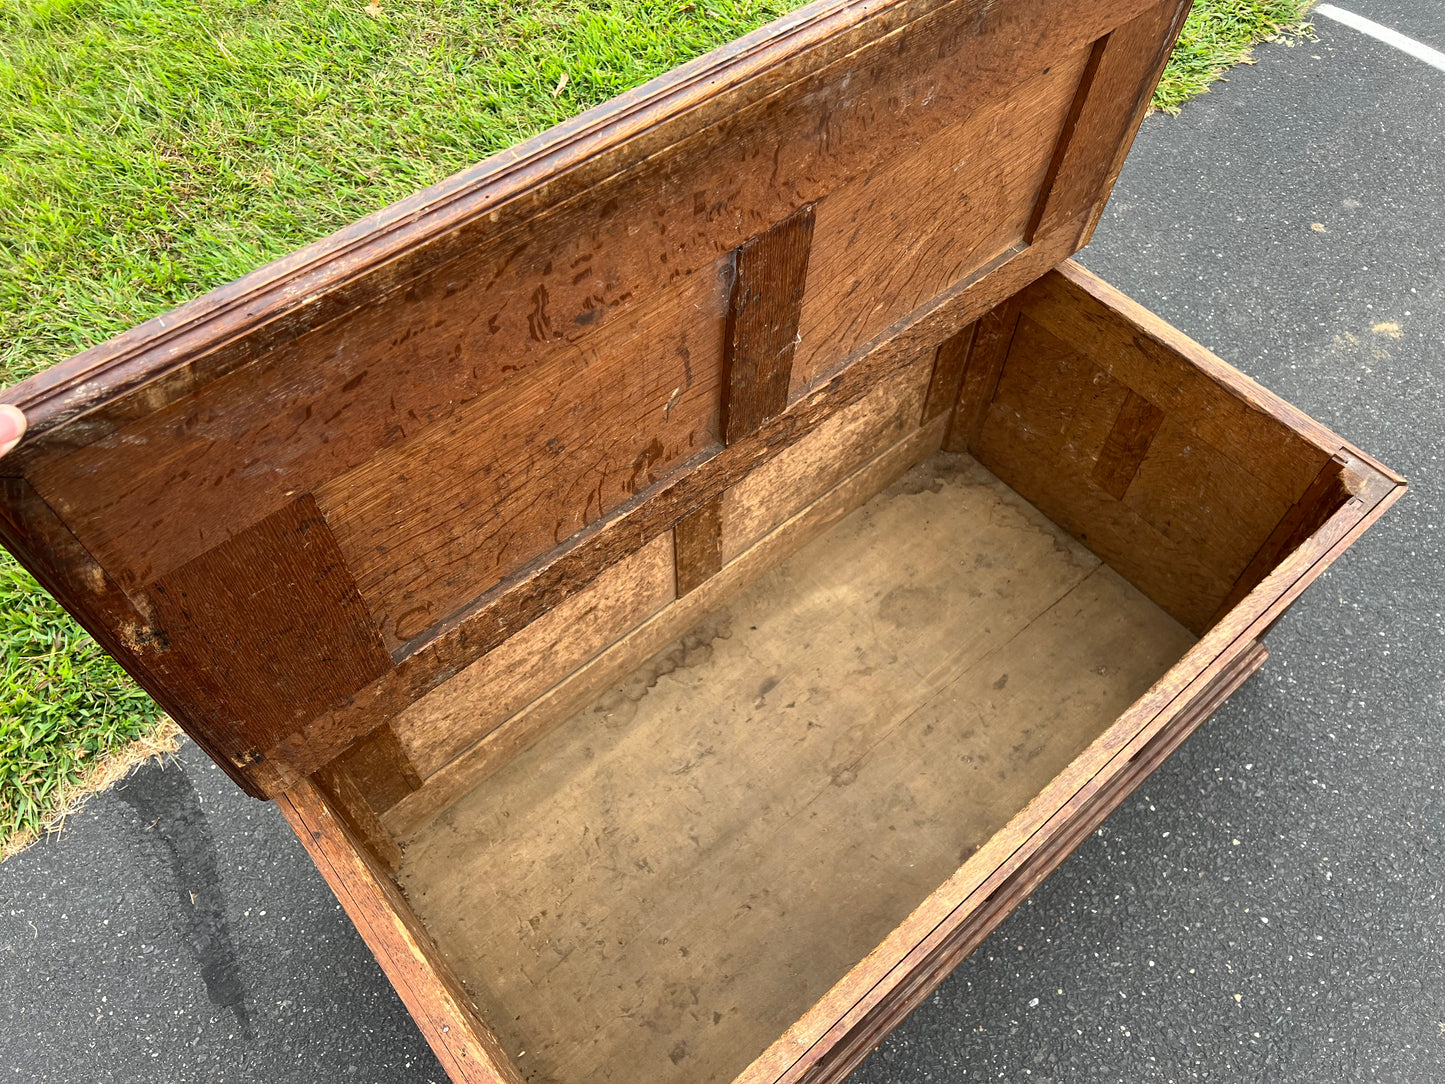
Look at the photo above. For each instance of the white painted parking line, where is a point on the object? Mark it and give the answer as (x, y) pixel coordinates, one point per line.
(1417, 49)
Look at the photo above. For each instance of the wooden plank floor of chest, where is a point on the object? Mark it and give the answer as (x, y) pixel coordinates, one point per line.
(689, 577)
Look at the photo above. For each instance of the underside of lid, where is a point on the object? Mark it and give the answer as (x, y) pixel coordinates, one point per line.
(297, 504)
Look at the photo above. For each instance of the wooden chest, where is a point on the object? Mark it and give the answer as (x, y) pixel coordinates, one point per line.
(689, 577)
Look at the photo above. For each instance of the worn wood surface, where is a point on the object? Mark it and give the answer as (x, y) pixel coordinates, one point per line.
(949, 362)
(1172, 466)
(270, 626)
(462, 1042)
(870, 983)
(502, 387)
(675, 629)
(1114, 93)
(965, 932)
(887, 245)
(698, 546)
(353, 807)
(445, 723)
(761, 333)
(461, 640)
(992, 339)
(721, 836)
(1329, 491)
(380, 766)
(803, 472)
(409, 509)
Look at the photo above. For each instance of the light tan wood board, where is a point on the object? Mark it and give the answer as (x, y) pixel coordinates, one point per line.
(658, 888)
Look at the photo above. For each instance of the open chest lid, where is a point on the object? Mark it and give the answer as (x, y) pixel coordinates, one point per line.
(298, 503)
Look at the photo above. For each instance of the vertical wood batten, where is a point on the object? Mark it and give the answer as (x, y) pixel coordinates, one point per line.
(989, 349)
(698, 546)
(1113, 95)
(949, 363)
(770, 273)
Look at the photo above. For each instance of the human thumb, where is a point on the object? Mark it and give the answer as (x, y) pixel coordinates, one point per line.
(12, 427)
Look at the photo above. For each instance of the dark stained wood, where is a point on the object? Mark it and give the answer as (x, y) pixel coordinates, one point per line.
(39, 539)
(463, 639)
(482, 386)
(1188, 523)
(1335, 484)
(1113, 97)
(886, 244)
(966, 929)
(353, 806)
(553, 278)
(988, 351)
(1126, 445)
(380, 767)
(373, 519)
(735, 87)
(528, 465)
(1181, 377)
(949, 362)
(697, 544)
(462, 1042)
(501, 743)
(770, 272)
(271, 627)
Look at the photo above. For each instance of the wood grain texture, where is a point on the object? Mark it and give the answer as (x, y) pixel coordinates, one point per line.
(270, 626)
(390, 372)
(446, 722)
(378, 766)
(965, 932)
(708, 792)
(1114, 93)
(40, 540)
(949, 362)
(677, 629)
(1174, 372)
(1190, 520)
(698, 544)
(1171, 465)
(430, 524)
(807, 51)
(1117, 81)
(462, 1042)
(410, 357)
(803, 472)
(871, 981)
(992, 341)
(460, 640)
(1335, 484)
(355, 808)
(770, 274)
(1126, 445)
(889, 242)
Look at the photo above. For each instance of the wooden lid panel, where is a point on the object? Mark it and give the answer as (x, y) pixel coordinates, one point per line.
(316, 493)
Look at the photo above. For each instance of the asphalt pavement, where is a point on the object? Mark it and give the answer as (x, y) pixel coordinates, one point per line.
(1269, 907)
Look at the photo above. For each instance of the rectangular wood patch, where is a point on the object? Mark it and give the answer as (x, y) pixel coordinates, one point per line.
(1127, 444)
(949, 362)
(698, 546)
(769, 277)
(271, 625)
(988, 349)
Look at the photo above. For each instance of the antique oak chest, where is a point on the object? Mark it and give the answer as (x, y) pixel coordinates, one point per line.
(688, 577)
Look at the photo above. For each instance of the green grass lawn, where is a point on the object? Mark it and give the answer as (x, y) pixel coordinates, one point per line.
(153, 149)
